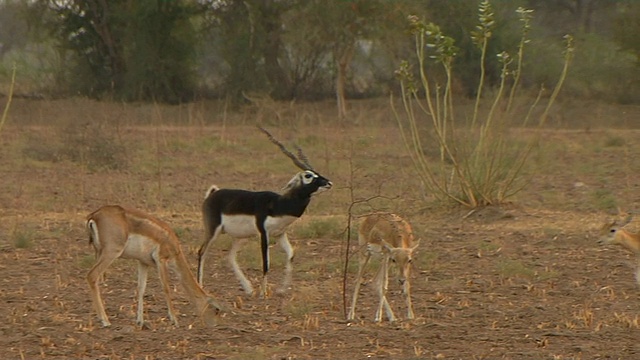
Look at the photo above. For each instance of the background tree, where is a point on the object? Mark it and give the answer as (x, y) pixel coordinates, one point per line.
(13, 27)
(142, 50)
(601, 69)
(160, 47)
(342, 25)
(285, 48)
(578, 16)
(458, 19)
(172, 51)
(627, 27)
(240, 37)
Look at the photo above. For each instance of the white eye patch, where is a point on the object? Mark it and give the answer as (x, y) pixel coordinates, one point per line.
(308, 177)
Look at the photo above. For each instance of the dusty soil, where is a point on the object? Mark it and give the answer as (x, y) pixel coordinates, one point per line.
(523, 281)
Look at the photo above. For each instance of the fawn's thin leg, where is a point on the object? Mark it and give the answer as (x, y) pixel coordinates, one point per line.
(361, 266)
(407, 293)
(382, 282)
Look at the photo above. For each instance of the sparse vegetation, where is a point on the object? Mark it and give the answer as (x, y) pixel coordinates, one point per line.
(487, 273)
(603, 199)
(476, 161)
(320, 228)
(614, 141)
(514, 268)
(92, 145)
(22, 238)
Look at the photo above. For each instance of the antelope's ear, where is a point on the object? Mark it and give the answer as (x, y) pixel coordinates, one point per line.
(386, 247)
(627, 216)
(416, 245)
(626, 220)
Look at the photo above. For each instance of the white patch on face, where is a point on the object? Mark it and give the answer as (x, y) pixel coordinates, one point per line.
(308, 177)
(244, 226)
(300, 179)
(322, 189)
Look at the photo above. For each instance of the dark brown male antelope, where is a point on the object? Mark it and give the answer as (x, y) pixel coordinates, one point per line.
(244, 213)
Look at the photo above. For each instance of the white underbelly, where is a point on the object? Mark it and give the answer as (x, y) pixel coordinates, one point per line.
(140, 247)
(244, 226)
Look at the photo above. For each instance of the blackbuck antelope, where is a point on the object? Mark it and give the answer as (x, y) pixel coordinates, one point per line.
(117, 232)
(243, 213)
(612, 232)
(391, 237)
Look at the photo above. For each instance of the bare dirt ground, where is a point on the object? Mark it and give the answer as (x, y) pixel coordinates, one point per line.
(523, 281)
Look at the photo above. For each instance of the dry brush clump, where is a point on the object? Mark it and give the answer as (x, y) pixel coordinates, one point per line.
(93, 145)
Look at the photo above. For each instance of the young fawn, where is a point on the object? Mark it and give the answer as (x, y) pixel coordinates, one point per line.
(391, 237)
(613, 233)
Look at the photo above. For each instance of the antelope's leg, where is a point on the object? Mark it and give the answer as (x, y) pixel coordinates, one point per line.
(407, 294)
(105, 259)
(286, 246)
(264, 247)
(164, 279)
(382, 280)
(143, 271)
(362, 263)
(233, 253)
(202, 252)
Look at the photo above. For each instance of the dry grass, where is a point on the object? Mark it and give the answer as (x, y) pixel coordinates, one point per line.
(522, 281)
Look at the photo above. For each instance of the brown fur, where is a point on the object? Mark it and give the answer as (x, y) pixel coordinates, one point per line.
(613, 233)
(391, 236)
(132, 234)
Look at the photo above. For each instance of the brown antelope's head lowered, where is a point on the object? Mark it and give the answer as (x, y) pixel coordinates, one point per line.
(308, 181)
(612, 232)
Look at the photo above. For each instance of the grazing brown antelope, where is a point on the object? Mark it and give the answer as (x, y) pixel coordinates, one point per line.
(244, 213)
(117, 232)
(391, 237)
(612, 232)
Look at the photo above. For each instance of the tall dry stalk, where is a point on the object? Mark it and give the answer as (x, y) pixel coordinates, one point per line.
(478, 163)
(5, 112)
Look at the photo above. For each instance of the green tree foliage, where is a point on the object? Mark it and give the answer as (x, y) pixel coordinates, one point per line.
(13, 27)
(458, 19)
(340, 25)
(574, 16)
(627, 28)
(133, 50)
(161, 50)
(605, 65)
(239, 41)
(292, 49)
